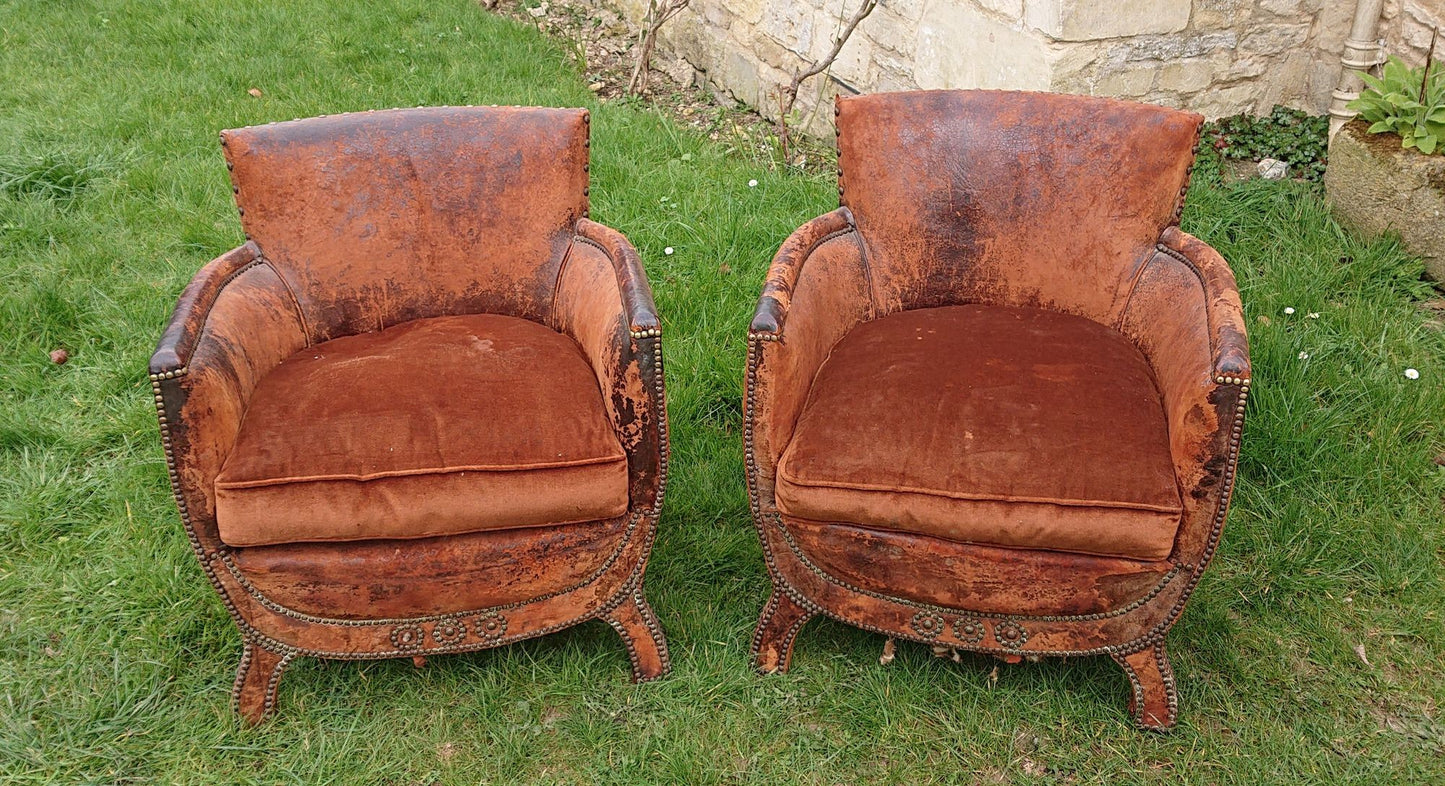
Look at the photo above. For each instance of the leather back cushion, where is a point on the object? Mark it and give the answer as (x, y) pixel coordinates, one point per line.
(1001, 198)
(378, 218)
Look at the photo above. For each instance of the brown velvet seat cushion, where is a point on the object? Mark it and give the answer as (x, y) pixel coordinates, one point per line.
(432, 427)
(987, 424)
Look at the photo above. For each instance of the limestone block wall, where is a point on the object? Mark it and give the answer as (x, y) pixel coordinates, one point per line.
(1406, 27)
(1218, 57)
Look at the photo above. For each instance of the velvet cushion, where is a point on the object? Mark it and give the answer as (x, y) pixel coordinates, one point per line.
(994, 425)
(432, 427)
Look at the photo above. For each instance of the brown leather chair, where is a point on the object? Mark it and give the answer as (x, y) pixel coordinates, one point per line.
(994, 400)
(421, 410)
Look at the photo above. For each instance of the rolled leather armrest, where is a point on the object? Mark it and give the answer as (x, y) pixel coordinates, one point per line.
(234, 323)
(631, 278)
(1229, 344)
(816, 291)
(178, 341)
(604, 303)
(777, 296)
(1185, 316)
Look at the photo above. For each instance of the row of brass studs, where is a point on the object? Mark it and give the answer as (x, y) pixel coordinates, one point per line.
(270, 703)
(1136, 685)
(248, 654)
(654, 630)
(1188, 175)
(755, 360)
(167, 444)
(768, 611)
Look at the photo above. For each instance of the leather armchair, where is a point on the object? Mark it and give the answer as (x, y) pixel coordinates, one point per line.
(421, 409)
(994, 400)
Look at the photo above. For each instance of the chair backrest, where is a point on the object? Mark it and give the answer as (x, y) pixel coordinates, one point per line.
(377, 218)
(1027, 199)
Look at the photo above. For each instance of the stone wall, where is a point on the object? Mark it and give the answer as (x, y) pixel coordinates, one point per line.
(1218, 57)
(1406, 28)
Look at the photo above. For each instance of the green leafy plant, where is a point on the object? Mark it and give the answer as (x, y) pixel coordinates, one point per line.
(1406, 101)
(1289, 135)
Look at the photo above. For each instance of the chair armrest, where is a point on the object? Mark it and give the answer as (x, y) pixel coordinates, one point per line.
(178, 341)
(798, 320)
(631, 278)
(1229, 344)
(234, 323)
(1185, 316)
(777, 296)
(604, 303)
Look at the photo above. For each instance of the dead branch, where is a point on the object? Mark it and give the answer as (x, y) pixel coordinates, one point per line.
(1429, 58)
(657, 16)
(789, 94)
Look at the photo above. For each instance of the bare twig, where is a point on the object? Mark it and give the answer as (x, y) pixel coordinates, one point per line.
(789, 95)
(657, 16)
(1429, 56)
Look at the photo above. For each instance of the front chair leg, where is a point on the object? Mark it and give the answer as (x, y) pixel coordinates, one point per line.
(254, 694)
(636, 623)
(1155, 702)
(778, 626)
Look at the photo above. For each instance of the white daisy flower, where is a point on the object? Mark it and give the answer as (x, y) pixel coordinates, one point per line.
(1304, 356)
(1411, 373)
(667, 251)
(752, 184)
(1289, 309)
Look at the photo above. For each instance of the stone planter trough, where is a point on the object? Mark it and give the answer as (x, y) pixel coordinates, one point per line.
(1376, 186)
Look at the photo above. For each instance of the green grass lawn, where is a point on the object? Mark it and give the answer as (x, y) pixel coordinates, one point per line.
(116, 657)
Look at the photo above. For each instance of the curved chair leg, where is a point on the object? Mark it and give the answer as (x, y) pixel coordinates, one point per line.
(778, 625)
(1155, 703)
(635, 622)
(254, 694)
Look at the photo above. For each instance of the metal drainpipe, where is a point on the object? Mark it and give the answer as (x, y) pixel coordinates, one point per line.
(1363, 50)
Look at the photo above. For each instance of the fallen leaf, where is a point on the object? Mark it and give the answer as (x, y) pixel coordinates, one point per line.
(446, 751)
(255, 92)
(595, 86)
(993, 677)
(887, 656)
(59, 356)
(1440, 460)
(1360, 653)
(950, 653)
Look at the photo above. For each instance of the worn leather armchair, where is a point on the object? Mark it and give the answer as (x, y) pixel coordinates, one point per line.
(994, 401)
(421, 410)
